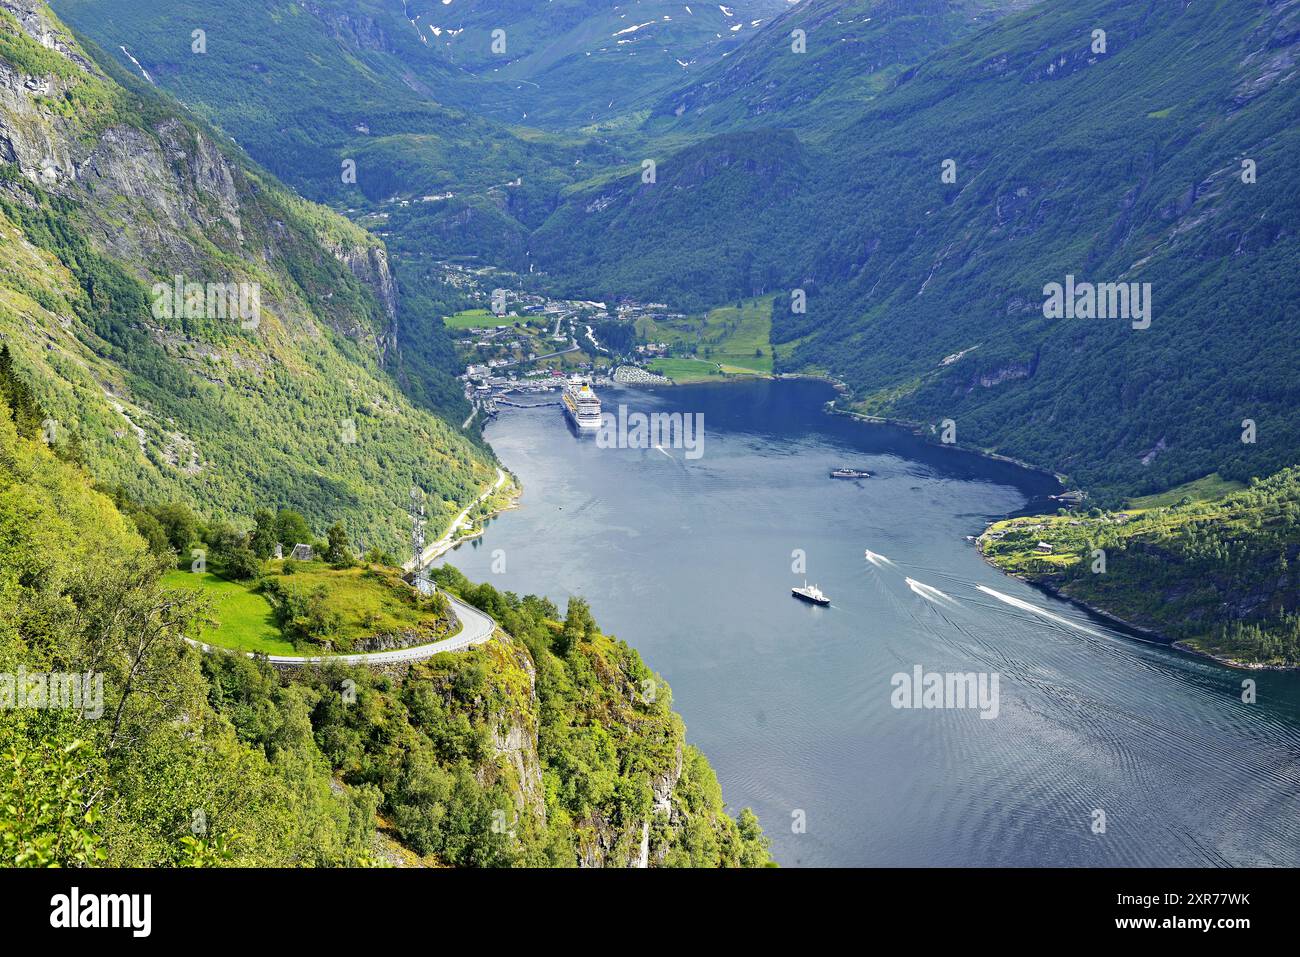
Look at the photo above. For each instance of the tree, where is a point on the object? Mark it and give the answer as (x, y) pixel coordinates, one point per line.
(380, 556)
(291, 529)
(242, 564)
(262, 540)
(339, 550)
(754, 846)
(223, 538)
(577, 624)
(151, 531)
(179, 523)
(15, 393)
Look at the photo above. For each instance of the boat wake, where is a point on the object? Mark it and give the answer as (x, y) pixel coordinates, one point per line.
(1040, 612)
(880, 561)
(930, 593)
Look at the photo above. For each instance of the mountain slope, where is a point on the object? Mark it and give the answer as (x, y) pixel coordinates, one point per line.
(571, 62)
(1215, 575)
(927, 297)
(364, 115)
(852, 51)
(554, 747)
(107, 196)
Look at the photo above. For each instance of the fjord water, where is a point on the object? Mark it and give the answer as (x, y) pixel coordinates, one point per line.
(690, 562)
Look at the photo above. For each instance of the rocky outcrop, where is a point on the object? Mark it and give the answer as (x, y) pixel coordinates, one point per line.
(514, 737)
(370, 265)
(31, 134)
(604, 844)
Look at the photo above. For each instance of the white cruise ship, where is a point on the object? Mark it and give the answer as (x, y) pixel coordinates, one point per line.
(582, 406)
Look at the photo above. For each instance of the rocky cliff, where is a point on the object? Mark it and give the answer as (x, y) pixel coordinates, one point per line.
(203, 333)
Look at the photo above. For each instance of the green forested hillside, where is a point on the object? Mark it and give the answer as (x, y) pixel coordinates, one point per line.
(106, 196)
(1216, 574)
(353, 104)
(154, 774)
(627, 236)
(926, 296)
(851, 52)
(552, 747)
(923, 172)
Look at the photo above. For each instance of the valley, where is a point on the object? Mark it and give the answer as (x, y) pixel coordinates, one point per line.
(289, 289)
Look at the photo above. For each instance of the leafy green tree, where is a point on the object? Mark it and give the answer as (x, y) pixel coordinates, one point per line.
(339, 550)
(152, 531)
(179, 523)
(262, 540)
(241, 563)
(292, 529)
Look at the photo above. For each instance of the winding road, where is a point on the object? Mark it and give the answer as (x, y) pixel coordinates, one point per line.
(449, 539)
(475, 628)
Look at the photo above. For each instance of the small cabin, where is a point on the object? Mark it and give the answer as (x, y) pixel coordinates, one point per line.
(302, 553)
(1043, 548)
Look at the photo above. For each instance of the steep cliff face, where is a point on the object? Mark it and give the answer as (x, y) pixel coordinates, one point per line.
(603, 836)
(514, 731)
(203, 333)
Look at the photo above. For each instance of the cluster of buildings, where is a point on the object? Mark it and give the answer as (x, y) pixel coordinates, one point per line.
(532, 345)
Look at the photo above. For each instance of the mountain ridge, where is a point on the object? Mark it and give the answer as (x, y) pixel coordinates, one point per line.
(107, 199)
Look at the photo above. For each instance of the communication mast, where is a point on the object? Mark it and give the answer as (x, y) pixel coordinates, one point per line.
(417, 542)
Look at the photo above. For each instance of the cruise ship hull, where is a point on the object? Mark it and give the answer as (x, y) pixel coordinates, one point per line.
(588, 425)
(582, 408)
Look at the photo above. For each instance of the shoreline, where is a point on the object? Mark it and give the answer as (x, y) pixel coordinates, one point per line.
(1136, 632)
(1139, 632)
(918, 429)
(450, 539)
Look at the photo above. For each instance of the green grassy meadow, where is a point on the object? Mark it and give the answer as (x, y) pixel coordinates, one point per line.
(244, 619)
(363, 601)
(730, 340)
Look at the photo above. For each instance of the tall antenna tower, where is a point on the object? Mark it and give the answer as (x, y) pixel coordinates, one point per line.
(417, 539)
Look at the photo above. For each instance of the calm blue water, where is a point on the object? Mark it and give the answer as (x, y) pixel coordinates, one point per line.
(690, 561)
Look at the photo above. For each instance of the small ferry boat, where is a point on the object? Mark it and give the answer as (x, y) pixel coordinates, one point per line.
(811, 594)
(850, 474)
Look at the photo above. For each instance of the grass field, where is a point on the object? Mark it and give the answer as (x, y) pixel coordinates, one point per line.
(686, 370)
(368, 601)
(472, 319)
(736, 338)
(244, 618)
(1201, 490)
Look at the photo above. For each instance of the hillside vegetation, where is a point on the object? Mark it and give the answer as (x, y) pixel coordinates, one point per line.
(106, 196)
(853, 52)
(926, 296)
(1216, 574)
(554, 745)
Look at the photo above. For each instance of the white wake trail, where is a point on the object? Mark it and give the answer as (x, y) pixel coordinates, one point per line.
(880, 561)
(930, 593)
(1041, 612)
